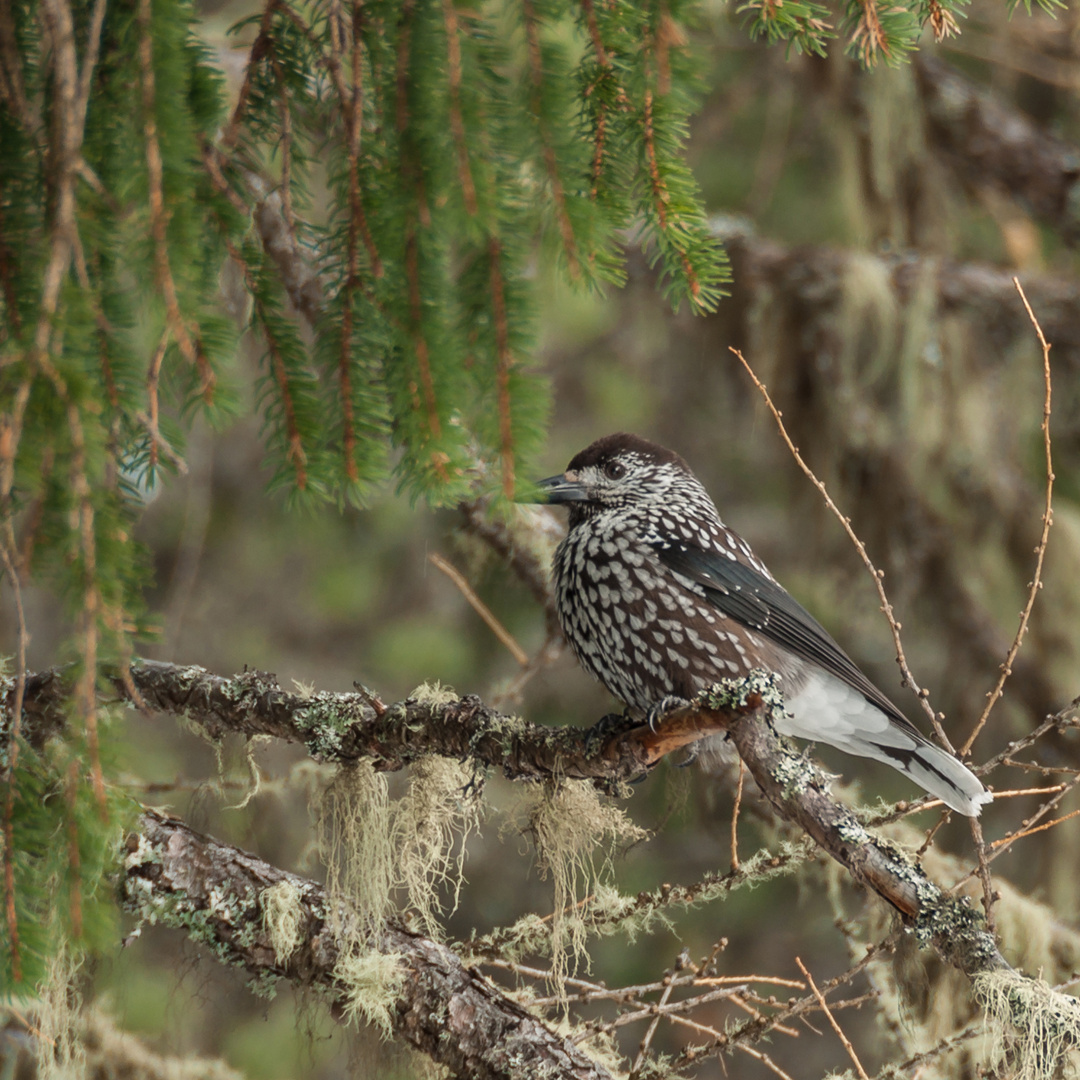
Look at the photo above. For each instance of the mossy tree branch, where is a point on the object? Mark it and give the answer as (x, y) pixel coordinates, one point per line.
(213, 891)
(347, 727)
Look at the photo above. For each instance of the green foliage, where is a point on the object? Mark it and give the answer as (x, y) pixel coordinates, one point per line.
(65, 843)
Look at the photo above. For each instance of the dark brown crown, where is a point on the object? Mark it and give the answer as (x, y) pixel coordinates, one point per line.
(620, 443)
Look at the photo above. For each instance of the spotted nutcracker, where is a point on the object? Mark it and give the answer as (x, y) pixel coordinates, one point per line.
(659, 598)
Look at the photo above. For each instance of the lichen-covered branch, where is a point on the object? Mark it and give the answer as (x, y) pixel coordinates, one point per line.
(346, 727)
(994, 144)
(217, 893)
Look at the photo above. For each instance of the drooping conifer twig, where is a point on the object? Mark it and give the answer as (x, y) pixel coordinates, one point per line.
(869, 37)
(600, 134)
(656, 182)
(258, 50)
(190, 348)
(352, 115)
(504, 362)
(420, 345)
(296, 454)
(551, 161)
(845, 522)
(1040, 549)
(457, 123)
(153, 378)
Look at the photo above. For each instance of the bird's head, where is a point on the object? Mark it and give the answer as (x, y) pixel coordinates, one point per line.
(619, 471)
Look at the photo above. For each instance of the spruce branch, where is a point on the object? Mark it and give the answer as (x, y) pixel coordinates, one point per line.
(538, 78)
(457, 123)
(189, 346)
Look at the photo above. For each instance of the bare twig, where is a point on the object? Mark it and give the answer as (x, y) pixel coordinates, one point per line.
(481, 609)
(735, 818)
(877, 575)
(1038, 828)
(650, 1032)
(1040, 549)
(765, 1060)
(832, 1020)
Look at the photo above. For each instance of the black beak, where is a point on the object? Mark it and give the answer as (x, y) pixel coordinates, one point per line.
(563, 488)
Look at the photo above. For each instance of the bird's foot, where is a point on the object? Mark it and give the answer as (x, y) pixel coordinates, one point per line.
(691, 757)
(664, 705)
(606, 727)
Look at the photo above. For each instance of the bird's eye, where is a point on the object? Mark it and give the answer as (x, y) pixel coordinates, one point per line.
(614, 470)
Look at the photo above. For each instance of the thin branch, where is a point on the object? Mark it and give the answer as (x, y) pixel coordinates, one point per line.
(650, 1032)
(765, 1060)
(1038, 828)
(845, 522)
(1040, 549)
(735, 817)
(517, 547)
(346, 727)
(832, 1020)
(481, 609)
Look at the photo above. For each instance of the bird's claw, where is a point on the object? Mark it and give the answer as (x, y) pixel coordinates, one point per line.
(607, 725)
(664, 705)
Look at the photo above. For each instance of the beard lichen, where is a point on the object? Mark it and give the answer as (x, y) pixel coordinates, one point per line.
(440, 810)
(354, 822)
(1034, 1030)
(570, 823)
(282, 916)
(61, 1053)
(370, 987)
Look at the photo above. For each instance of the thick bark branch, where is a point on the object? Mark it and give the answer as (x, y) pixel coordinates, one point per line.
(345, 727)
(459, 1018)
(991, 143)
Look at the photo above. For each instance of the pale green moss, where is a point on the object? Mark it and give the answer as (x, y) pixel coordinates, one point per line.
(355, 830)
(571, 823)
(433, 695)
(61, 1053)
(371, 985)
(431, 825)
(1034, 1029)
(283, 916)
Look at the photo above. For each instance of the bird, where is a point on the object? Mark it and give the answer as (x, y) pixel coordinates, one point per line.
(659, 599)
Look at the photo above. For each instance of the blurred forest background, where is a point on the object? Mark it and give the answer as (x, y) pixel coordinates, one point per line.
(873, 221)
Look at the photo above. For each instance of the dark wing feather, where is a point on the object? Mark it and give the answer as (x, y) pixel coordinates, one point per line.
(756, 601)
